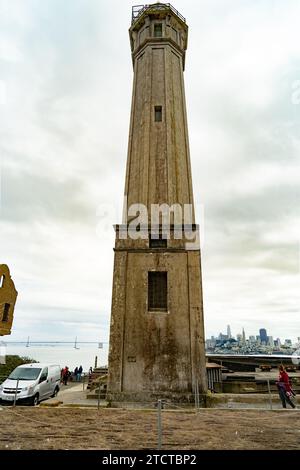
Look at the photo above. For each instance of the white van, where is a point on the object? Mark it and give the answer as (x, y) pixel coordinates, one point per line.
(37, 382)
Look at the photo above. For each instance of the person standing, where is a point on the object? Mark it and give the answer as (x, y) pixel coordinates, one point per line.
(65, 375)
(284, 387)
(80, 369)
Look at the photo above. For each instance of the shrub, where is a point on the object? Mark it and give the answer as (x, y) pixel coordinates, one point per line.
(11, 363)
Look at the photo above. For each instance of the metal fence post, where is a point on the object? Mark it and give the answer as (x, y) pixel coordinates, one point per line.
(99, 397)
(270, 396)
(159, 425)
(16, 392)
(197, 398)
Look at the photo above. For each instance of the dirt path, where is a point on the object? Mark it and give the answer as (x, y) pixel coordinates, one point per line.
(41, 428)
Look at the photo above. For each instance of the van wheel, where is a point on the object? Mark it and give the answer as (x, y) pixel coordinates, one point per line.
(35, 400)
(55, 392)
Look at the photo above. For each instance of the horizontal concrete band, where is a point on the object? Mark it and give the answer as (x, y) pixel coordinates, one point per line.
(156, 250)
(152, 42)
(160, 228)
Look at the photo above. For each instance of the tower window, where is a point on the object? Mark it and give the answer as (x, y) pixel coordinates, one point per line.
(159, 242)
(158, 30)
(5, 312)
(158, 291)
(158, 113)
(2, 278)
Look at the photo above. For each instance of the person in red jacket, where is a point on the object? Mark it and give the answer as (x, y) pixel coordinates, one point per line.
(65, 375)
(284, 387)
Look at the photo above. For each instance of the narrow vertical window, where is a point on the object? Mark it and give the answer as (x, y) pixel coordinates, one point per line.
(158, 291)
(158, 30)
(2, 278)
(174, 34)
(5, 313)
(158, 113)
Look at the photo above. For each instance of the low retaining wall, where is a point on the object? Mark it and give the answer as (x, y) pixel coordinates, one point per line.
(251, 400)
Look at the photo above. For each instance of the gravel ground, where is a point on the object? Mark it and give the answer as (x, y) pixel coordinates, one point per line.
(65, 428)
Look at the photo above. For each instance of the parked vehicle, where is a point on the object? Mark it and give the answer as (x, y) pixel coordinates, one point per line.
(265, 367)
(291, 368)
(32, 382)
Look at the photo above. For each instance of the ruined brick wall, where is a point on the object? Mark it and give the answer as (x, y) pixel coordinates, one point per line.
(8, 297)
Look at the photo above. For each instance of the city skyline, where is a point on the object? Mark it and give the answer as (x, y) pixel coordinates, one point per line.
(259, 343)
(255, 334)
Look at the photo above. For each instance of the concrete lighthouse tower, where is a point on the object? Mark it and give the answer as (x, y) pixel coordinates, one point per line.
(157, 334)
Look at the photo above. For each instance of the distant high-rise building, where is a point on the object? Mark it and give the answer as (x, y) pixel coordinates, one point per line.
(258, 339)
(278, 342)
(229, 332)
(263, 335)
(239, 337)
(210, 343)
(252, 339)
(244, 337)
(222, 337)
(288, 342)
(271, 341)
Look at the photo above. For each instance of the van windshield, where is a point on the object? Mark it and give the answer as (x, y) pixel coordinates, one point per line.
(25, 373)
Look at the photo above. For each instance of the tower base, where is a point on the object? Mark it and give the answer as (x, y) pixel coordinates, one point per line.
(150, 399)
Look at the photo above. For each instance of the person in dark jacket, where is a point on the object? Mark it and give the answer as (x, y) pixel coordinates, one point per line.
(79, 372)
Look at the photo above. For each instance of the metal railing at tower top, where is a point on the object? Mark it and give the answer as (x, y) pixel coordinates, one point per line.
(138, 10)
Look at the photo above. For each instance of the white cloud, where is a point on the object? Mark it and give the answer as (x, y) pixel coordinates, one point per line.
(2, 93)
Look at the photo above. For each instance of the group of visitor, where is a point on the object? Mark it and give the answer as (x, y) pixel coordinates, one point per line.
(67, 375)
(77, 373)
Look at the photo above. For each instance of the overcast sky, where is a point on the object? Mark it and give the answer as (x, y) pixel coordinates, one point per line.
(65, 93)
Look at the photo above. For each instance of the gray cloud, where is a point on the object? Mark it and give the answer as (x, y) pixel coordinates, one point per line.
(29, 197)
(63, 141)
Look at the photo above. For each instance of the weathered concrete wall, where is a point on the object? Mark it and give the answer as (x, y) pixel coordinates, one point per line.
(244, 400)
(156, 353)
(158, 166)
(8, 297)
